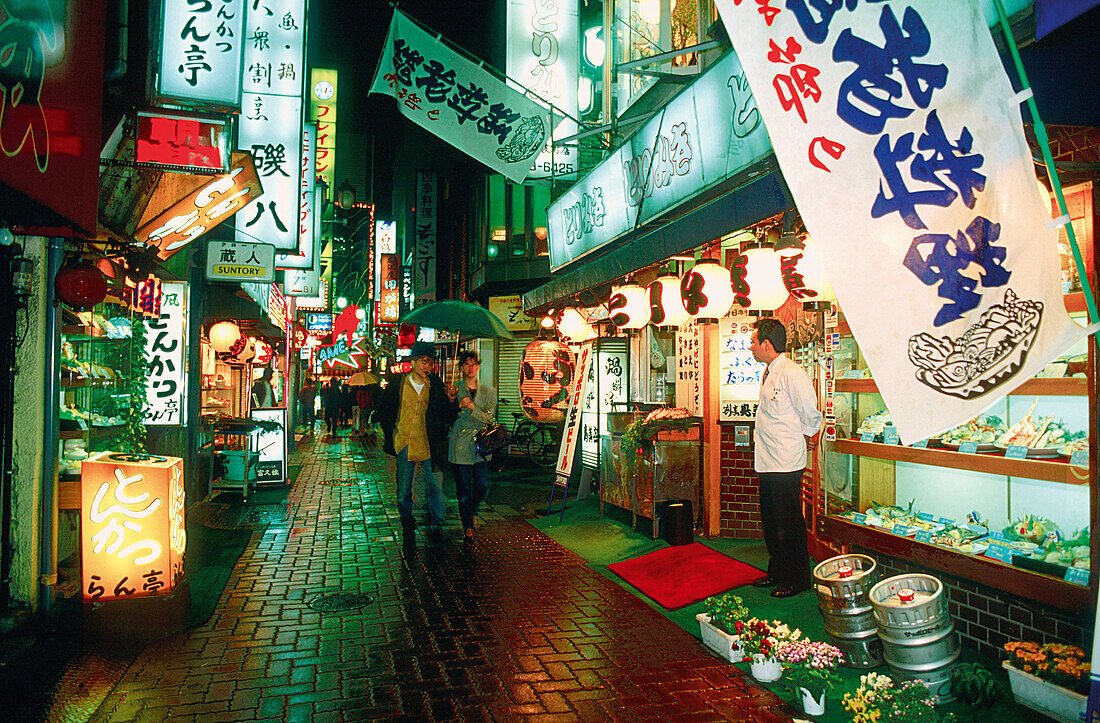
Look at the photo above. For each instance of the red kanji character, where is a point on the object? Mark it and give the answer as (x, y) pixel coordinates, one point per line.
(832, 148)
(767, 11)
(801, 83)
(413, 101)
(390, 78)
(433, 114)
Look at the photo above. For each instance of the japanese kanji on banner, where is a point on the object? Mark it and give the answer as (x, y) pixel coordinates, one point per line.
(463, 104)
(898, 133)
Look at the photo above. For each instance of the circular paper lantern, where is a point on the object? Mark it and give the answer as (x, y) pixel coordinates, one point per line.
(224, 335)
(705, 291)
(264, 353)
(243, 350)
(804, 277)
(628, 307)
(80, 286)
(756, 279)
(574, 327)
(666, 309)
(545, 377)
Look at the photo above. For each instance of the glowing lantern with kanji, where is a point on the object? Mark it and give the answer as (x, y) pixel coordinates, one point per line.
(705, 291)
(666, 308)
(628, 307)
(264, 353)
(804, 277)
(132, 530)
(224, 335)
(756, 279)
(245, 350)
(546, 374)
(574, 327)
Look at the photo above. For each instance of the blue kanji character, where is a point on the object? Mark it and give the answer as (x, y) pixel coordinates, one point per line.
(953, 159)
(466, 101)
(498, 121)
(870, 83)
(405, 61)
(437, 81)
(940, 258)
(816, 27)
(903, 200)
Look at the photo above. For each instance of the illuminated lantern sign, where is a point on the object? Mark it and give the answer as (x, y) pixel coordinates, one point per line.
(628, 307)
(166, 358)
(706, 292)
(182, 143)
(131, 525)
(666, 309)
(546, 374)
(804, 277)
(389, 296)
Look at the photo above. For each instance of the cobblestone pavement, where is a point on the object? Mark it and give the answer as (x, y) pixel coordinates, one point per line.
(510, 627)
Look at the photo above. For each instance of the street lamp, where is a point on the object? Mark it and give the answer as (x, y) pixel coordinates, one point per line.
(345, 195)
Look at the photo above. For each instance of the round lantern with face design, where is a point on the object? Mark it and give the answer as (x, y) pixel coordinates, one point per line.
(546, 375)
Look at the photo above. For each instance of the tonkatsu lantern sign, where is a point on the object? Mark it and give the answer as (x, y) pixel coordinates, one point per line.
(132, 530)
(900, 137)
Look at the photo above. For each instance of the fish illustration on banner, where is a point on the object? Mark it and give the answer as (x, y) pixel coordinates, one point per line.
(900, 137)
(459, 101)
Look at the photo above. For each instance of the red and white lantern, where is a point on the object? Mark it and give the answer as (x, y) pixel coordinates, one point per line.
(804, 277)
(666, 308)
(628, 307)
(705, 291)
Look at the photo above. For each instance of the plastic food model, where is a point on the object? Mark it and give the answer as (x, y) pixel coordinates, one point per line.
(985, 429)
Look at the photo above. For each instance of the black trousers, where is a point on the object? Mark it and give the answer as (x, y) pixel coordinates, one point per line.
(784, 527)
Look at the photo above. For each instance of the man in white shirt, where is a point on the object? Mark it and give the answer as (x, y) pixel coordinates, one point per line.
(787, 422)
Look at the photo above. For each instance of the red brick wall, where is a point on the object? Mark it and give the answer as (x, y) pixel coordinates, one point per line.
(740, 503)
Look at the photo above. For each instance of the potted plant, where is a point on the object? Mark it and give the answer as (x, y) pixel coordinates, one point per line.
(881, 699)
(974, 686)
(810, 669)
(718, 625)
(760, 639)
(1052, 679)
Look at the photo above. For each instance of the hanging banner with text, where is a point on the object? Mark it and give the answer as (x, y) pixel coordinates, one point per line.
(166, 359)
(424, 276)
(572, 431)
(457, 100)
(899, 135)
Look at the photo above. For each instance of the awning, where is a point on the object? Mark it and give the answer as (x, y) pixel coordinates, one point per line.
(757, 193)
(230, 302)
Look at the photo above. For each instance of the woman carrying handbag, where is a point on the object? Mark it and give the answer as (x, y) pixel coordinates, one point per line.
(476, 406)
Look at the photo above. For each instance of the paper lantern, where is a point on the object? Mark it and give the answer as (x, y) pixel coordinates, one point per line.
(666, 308)
(705, 291)
(224, 335)
(80, 286)
(804, 277)
(546, 375)
(132, 529)
(264, 353)
(628, 307)
(756, 279)
(247, 351)
(574, 327)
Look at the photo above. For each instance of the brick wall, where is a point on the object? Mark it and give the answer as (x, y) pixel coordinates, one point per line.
(986, 618)
(740, 503)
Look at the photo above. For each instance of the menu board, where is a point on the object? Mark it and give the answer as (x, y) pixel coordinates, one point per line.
(272, 445)
(689, 381)
(739, 374)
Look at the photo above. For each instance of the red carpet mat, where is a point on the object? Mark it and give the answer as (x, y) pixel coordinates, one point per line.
(678, 576)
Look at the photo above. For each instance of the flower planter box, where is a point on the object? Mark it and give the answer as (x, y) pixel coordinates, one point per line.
(725, 645)
(1051, 700)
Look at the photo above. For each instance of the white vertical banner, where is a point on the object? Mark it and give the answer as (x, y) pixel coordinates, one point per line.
(166, 359)
(424, 274)
(544, 57)
(270, 124)
(308, 240)
(900, 137)
(689, 380)
(573, 417)
(200, 51)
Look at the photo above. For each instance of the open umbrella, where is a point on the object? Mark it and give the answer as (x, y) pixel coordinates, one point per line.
(460, 317)
(362, 379)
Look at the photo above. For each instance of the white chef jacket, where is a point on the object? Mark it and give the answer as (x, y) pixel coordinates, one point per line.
(786, 415)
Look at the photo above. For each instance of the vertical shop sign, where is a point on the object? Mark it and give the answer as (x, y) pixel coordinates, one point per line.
(301, 282)
(270, 124)
(898, 133)
(591, 420)
(166, 359)
(200, 51)
(133, 536)
(271, 444)
(324, 85)
(544, 56)
(424, 278)
(739, 374)
(385, 239)
(573, 418)
(277, 308)
(389, 296)
(308, 241)
(689, 381)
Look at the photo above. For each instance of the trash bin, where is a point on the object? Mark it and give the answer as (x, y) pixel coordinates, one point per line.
(677, 522)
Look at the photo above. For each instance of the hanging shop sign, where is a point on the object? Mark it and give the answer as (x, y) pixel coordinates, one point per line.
(270, 123)
(133, 536)
(510, 310)
(424, 250)
(144, 299)
(388, 308)
(572, 432)
(707, 133)
(897, 130)
(183, 144)
(309, 227)
(386, 234)
(607, 392)
(301, 282)
(166, 359)
(323, 91)
(544, 57)
(270, 444)
(689, 379)
(739, 374)
(277, 309)
(459, 101)
(343, 353)
(232, 261)
(200, 51)
(203, 209)
(314, 303)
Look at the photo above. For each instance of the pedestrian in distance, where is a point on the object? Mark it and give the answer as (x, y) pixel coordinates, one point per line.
(330, 405)
(307, 397)
(416, 414)
(787, 423)
(263, 394)
(477, 404)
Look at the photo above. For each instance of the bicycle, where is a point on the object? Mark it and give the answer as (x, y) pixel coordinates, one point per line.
(538, 441)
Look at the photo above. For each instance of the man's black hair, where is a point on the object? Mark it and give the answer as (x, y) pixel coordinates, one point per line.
(772, 330)
(465, 356)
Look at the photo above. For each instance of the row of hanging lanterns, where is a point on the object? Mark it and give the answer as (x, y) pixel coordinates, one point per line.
(228, 339)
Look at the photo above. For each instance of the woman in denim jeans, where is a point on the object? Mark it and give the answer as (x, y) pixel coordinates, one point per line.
(477, 404)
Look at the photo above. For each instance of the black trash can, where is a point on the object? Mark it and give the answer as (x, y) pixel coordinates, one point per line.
(677, 522)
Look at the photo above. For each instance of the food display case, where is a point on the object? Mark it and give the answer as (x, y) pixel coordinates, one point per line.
(1003, 500)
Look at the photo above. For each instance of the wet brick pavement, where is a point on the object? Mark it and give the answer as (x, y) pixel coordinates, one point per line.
(512, 627)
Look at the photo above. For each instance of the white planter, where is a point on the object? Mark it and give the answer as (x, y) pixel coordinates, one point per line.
(811, 706)
(1051, 700)
(718, 641)
(766, 670)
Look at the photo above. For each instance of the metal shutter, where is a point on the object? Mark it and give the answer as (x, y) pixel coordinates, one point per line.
(509, 359)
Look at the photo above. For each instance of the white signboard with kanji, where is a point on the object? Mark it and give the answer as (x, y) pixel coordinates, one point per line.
(166, 359)
(232, 261)
(739, 374)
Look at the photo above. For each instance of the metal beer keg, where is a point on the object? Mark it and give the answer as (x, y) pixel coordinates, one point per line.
(842, 584)
(917, 633)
